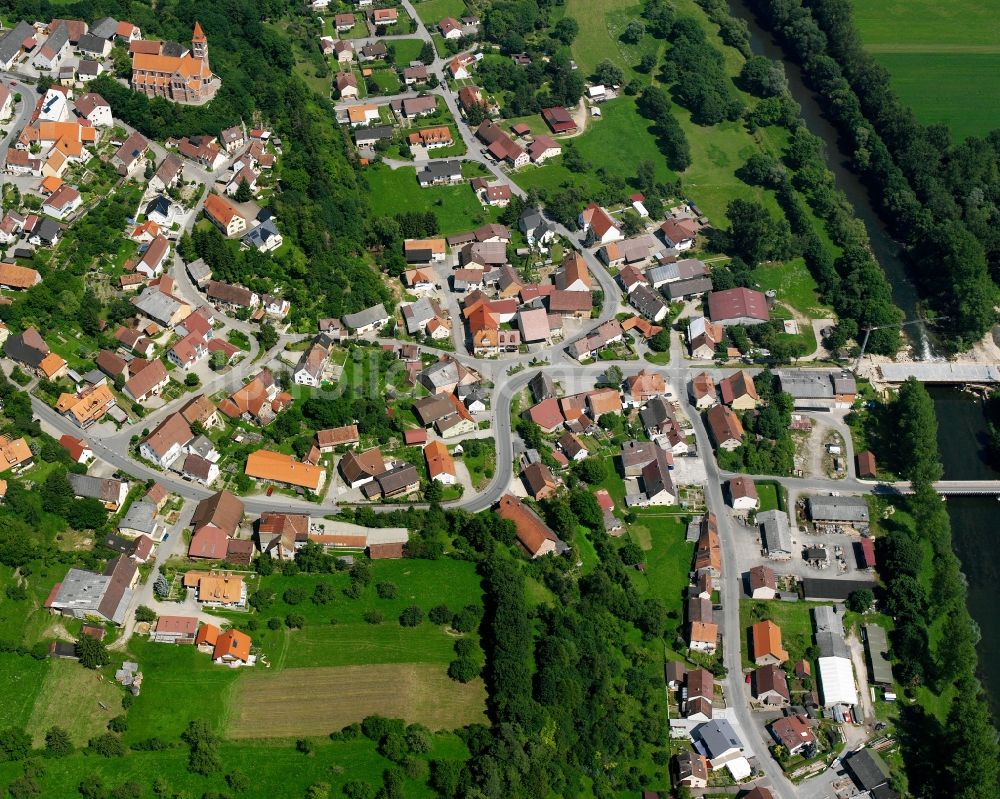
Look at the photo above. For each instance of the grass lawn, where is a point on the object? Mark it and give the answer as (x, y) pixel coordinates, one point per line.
(21, 680)
(795, 286)
(944, 58)
(794, 619)
(72, 697)
(395, 191)
(767, 493)
(277, 769)
(618, 142)
(668, 559)
(407, 50)
(177, 681)
(386, 80)
(25, 621)
(601, 25)
(352, 641)
(481, 466)
(431, 12)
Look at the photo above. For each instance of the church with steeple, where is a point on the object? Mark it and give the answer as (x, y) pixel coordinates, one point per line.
(165, 69)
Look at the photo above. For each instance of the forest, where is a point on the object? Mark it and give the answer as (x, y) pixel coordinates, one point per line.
(937, 197)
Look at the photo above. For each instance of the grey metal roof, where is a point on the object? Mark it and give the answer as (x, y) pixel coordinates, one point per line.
(105, 28)
(10, 45)
(436, 170)
(718, 737)
(776, 532)
(830, 632)
(89, 43)
(156, 305)
(141, 516)
(838, 509)
(368, 316)
(876, 646)
(686, 287)
(942, 372)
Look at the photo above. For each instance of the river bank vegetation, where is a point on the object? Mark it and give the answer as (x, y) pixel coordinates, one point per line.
(934, 637)
(937, 197)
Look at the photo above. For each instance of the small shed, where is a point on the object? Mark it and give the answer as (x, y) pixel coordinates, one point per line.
(520, 129)
(866, 465)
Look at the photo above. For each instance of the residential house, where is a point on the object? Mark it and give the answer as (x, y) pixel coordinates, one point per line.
(574, 448)
(598, 225)
(148, 383)
(795, 733)
(109, 492)
(154, 259)
(648, 302)
(719, 742)
(62, 202)
(702, 391)
(233, 139)
(79, 450)
(15, 455)
(742, 493)
(167, 441)
(679, 233)
(309, 371)
(708, 549)
(130, 156)
(642, 387)
(765, 640)
(704, 338)
(95, 109)
(770, 686)
(725, 427)
(535, 228)
(359, 469)
(27, 348)
(542, 148)
(260, 400)
(440, 464)
(398, 481)
(762, 583)
(739, 392)
(703, 637)
(539, 481)
(224, 215)
(690, 770)
(367, 321)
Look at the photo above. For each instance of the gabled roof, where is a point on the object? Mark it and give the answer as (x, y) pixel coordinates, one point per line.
(172, 431)
(532, 532)
(222, 510)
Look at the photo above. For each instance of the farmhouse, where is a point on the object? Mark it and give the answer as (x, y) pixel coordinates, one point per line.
(533, 534)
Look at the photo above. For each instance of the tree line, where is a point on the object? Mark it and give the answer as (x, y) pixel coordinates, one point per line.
(934, 196)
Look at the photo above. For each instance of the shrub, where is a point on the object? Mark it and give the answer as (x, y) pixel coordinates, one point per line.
(411, 617)
(463, 670)
(294, 595)
(440, 614)
(373, 617)
(295, 621)
(387, 590)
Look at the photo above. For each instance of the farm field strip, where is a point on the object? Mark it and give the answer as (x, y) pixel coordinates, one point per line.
(317, 701)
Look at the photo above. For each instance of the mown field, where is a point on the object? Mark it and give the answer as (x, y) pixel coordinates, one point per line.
(75, 698)
(317, 701)
(944, 58)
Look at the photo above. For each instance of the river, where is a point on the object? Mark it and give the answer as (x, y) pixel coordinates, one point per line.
(961, 423)
(886, 250)
(962, 435)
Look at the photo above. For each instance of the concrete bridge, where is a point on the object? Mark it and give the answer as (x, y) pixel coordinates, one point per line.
(946, 488)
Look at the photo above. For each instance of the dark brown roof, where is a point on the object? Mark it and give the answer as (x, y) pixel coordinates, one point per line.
(222, 509)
